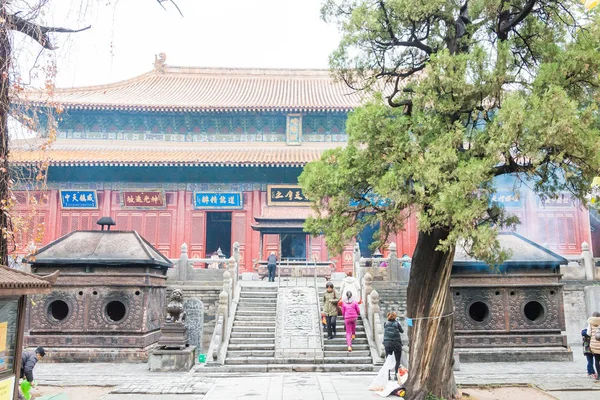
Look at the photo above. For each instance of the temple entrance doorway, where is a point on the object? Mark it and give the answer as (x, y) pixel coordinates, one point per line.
(293, 246)
(218, 233)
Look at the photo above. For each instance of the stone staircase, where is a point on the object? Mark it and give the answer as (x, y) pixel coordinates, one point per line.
(252, 339)
(392, 297)
(336, 350)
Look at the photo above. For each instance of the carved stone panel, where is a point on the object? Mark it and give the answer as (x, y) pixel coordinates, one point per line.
(99, 318)
(68, 317)
(155, 308)
(194, 322)
(479, 309)
(535, 308)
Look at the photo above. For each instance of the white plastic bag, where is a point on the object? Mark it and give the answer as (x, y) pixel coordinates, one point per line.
(381, 380)
(390, 387)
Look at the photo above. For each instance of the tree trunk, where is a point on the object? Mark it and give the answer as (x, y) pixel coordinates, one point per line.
(431, 339)
(5, 58)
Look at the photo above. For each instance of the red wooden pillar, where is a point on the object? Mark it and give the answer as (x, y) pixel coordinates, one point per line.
(51, 229)
(180, 215)
(255, 235)
(106, 206)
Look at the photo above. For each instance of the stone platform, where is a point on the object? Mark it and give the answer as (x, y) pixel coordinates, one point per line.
(512, 354)
(163, 360)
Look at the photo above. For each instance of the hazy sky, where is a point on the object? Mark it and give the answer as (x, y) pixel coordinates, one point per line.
(126, 34)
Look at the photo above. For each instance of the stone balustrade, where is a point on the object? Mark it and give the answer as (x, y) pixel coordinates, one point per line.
(227, 273)
(581, 267)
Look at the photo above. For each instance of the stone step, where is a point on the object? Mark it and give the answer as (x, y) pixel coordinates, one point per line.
(253, 322)
(246, 346)
(246, 318)
(258, 335)
(300, 367)
(342, 341)
(350, 359)
(253, 329)
(257, 307)
(354, 353)
(258, 303)
(255, 313)
(359, 332)
(249, 360)
(252, 340)
(250, 353)
(265, 288)
(258, 295)
(344, 347)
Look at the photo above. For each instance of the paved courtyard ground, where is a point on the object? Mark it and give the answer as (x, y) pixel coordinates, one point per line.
(485, 381)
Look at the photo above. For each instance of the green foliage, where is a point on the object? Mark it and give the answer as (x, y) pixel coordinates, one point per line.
(432, 396)
(475, 93)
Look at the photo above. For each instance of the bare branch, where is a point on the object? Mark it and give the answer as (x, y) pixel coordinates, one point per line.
(172, 2)
(39, 33)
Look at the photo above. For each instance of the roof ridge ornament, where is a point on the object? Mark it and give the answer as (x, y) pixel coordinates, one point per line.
(160, 60)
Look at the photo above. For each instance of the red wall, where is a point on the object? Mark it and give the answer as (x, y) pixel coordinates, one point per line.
(563, 228)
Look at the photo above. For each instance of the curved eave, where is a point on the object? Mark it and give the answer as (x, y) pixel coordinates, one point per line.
(159, 108)
(156, 264)
(156, 164)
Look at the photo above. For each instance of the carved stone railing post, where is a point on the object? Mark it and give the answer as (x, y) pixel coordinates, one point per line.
(394, 263)
(361, 267)
(223, 310)
(182, 264)
(367, 287)
(375, 321)
(237, 256)
(356, 261)
(217, 339)
(588, 261)
(227, 286)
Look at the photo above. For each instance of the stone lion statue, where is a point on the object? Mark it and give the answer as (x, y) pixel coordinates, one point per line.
(175, 311)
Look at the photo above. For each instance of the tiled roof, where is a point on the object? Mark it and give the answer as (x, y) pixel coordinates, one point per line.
(523, 251)
(71, 152)
(210, 90)
(11, 278)
(101, 248)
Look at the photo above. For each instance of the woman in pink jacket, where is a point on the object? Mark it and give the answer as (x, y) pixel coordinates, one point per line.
(350, 312)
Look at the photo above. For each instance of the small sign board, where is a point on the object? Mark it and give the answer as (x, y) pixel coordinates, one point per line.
(508, 199)
(73, 199)
(218, 201)
(286, 195)
(564, 200)
(370, 199)
(143, 199)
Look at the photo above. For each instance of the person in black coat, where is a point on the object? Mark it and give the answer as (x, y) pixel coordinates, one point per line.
(392, 340)
(28, 361)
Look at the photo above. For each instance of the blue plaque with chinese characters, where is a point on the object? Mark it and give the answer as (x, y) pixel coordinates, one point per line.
(78, 199)
(218, 201)
(508, 199)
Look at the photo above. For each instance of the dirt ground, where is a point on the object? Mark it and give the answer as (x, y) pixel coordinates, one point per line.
(505, 393)
(76, 392)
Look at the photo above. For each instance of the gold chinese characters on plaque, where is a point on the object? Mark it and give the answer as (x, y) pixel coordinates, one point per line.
(143, 200)
(286, 195)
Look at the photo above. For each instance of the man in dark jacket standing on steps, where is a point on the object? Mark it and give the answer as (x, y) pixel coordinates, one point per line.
(271, 265)
(28, 361)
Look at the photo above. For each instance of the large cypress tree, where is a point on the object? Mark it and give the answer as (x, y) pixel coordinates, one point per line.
(470, 90)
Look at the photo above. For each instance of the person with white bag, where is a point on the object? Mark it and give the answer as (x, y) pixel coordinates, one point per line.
(392, 340)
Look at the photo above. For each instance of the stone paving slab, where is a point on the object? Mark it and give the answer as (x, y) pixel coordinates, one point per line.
(563, 380)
